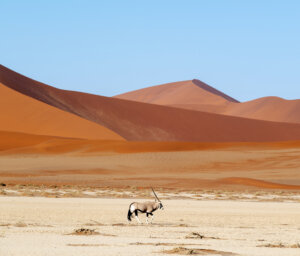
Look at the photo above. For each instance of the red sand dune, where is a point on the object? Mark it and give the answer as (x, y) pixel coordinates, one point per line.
(21, 113)
(149, 122)
(195, 95)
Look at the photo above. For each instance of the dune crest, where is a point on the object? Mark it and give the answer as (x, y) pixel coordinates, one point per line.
(190, 94)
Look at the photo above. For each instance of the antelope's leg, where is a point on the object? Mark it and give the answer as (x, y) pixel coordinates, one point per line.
(147, 215)
(136, 216)
(152, 217)
(137, 219)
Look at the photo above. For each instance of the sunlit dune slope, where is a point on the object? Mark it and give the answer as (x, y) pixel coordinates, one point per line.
(196, 95)
(150, 122)
(190, 94)
(267, 108)
(20, 113)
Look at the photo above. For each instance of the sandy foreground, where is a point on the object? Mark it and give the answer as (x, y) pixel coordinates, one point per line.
(44, 226)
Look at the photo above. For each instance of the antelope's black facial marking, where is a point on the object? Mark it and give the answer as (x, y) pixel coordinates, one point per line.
(161, 206)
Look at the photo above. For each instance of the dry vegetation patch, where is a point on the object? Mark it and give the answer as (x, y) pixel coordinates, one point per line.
(189, 251)
(280, 245)
(20, 225)
(88, 232)
(194, 235)
(85, 232)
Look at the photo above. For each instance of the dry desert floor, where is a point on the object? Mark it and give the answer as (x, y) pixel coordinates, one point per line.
(31, 226)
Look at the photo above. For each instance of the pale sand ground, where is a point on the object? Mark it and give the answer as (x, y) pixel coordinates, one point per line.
(32, 226)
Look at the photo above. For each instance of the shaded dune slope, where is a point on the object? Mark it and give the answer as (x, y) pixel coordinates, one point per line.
(149, 122)
(21, 113)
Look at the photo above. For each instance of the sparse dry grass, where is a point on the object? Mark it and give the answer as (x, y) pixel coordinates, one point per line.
(189, 251)
(280, 245)
(20, 224)
(194, 235)
(84, 232)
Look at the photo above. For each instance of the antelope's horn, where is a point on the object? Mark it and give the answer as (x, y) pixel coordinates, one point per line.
(155, 194)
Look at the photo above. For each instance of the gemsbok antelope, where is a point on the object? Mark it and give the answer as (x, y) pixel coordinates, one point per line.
(145, 207)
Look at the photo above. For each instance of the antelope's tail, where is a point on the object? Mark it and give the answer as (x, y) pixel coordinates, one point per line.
(129, 213)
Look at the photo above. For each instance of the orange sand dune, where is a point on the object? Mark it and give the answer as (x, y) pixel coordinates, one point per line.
(267, 108)
(20, 113)
(149, 122)
(191, 94)
(195, 95)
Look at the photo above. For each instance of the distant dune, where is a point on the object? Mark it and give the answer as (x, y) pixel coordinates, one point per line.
(191, 94)
(267, 108)
(20, 113)
(196, 95)
(149, 122)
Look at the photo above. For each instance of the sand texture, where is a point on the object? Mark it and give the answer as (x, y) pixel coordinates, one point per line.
(32, 159)
(47, 226)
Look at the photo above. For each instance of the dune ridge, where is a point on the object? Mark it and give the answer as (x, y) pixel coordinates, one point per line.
(186, 95)
(190, 94)
(149, 122)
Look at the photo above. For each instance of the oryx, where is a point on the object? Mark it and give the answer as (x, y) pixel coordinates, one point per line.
(145, 207)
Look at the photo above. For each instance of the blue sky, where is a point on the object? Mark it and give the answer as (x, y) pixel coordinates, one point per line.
(247, 49)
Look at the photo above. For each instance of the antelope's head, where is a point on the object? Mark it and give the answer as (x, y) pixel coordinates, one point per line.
(160, 205)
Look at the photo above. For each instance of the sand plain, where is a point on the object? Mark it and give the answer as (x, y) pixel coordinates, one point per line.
(31, 226)
(54, 161)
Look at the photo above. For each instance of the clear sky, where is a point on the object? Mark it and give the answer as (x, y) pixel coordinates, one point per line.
(247, 49)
